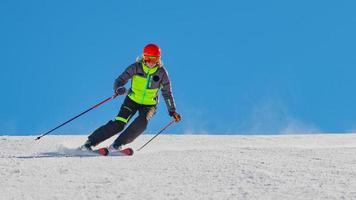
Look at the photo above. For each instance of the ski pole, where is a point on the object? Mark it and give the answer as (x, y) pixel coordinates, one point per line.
(97, 105)
(164, 128)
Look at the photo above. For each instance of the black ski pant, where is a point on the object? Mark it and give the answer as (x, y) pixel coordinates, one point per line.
(136, 128)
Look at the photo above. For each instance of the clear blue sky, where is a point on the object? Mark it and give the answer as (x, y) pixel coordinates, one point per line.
(238, 67)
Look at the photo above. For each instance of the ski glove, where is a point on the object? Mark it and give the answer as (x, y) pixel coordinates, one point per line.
(120, 91)
(176, 116)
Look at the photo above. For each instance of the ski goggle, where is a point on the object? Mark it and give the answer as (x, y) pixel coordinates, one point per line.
(151, 59)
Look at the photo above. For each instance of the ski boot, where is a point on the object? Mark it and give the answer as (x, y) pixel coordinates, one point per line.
(114, 148)
(86, 146)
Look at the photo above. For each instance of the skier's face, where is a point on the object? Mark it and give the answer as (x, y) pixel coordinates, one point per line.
(151, 61)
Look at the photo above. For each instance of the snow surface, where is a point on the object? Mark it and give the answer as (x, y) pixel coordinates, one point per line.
(183, 167)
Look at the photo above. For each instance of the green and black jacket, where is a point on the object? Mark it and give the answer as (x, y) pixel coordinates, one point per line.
(146, 83)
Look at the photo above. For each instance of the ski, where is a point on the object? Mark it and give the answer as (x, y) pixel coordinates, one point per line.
(105, 152)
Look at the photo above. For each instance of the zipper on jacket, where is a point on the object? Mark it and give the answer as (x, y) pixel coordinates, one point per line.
(147, 84)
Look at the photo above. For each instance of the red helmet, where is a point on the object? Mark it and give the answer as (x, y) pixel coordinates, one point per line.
(152, 50)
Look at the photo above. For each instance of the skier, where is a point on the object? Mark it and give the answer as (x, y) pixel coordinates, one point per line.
(148, 76)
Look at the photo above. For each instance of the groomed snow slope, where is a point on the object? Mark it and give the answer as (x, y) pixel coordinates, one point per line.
(184, 167)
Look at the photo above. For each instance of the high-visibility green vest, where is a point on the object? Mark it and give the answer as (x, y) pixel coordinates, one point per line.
(141, 90)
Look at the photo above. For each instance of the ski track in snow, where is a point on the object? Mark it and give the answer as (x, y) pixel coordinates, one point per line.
(183, 167)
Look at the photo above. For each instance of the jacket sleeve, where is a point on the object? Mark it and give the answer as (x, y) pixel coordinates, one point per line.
(125, 76)
(167, 92)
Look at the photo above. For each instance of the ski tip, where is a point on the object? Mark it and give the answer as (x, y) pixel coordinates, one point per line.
(128, 151)
(103, 151)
